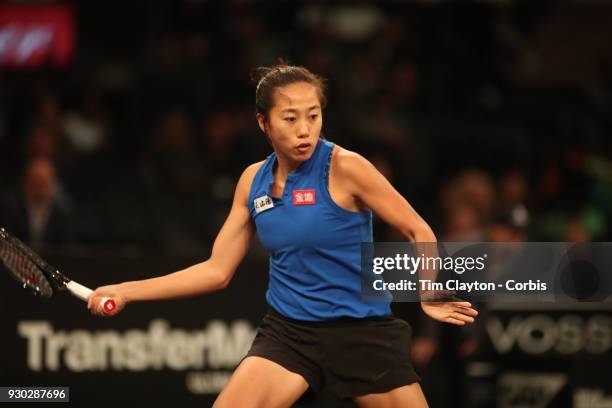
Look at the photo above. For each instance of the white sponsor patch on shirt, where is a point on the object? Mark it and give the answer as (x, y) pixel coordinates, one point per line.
(262, 204)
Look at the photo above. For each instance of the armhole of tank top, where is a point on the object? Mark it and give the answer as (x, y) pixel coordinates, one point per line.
(339, 210)
(250, 196)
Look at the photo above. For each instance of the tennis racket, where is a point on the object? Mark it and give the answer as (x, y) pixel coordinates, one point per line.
(33, 273)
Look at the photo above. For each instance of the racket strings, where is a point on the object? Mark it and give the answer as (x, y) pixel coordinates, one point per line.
(18, 264)
(23, 269)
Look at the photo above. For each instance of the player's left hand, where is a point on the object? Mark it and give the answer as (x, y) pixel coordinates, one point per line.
(94, 303)
(458, 313)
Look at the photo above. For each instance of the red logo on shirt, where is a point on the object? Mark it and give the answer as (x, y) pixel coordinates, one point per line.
(304, 197)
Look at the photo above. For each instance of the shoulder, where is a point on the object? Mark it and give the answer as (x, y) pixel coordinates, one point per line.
(252, 169)
(249, 173)
(349, 165)
(246, 179)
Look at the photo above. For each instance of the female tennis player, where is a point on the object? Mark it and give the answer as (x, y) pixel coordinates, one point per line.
(311, 203)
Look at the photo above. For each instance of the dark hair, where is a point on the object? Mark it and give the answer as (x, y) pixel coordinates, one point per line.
(282, 74)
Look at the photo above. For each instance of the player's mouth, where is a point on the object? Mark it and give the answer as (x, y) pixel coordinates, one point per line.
(303, 148)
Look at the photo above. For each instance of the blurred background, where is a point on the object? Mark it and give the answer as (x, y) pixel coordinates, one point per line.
(125, 126)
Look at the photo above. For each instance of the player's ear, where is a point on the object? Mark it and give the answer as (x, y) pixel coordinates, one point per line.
(261, 121)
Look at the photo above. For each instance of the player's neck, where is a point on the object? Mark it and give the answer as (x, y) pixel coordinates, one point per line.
(284, 166)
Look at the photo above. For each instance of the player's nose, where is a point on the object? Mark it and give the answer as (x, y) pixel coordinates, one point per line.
(303, 130)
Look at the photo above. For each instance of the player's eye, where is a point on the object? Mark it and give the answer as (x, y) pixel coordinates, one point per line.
(291, 119)
(314, 116)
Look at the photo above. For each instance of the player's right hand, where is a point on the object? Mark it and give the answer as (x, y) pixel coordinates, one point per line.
(95, 304)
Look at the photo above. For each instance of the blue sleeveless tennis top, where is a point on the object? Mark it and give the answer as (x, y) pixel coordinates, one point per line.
(314, 244)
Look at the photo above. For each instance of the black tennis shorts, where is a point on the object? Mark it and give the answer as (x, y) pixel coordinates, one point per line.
(350, 357)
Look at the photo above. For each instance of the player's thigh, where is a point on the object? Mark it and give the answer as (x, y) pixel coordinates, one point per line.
(407, 396)
(258, 382)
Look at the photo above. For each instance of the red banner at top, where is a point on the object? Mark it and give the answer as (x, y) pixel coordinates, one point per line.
(31, 36)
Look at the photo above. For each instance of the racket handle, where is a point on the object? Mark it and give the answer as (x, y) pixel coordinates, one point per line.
(108, 305)
(83, 293)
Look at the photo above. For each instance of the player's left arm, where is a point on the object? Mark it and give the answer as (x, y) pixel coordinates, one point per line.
(366, 184)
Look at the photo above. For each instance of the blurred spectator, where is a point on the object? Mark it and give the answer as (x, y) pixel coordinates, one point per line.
(511, 222)
(38, 213)
(41, 141)
(177, 179)
(503, 231)
(513, 190)
(86, 128)
(463, 224)
(50, 113)
(472, 188)
(172, 164)
(225, 153)
(576, 231)
(219, 139)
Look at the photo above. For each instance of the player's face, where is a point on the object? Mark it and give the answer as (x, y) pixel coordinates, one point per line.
(294, 122)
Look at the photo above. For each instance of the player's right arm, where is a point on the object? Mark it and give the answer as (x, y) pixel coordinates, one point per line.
(230, 247)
